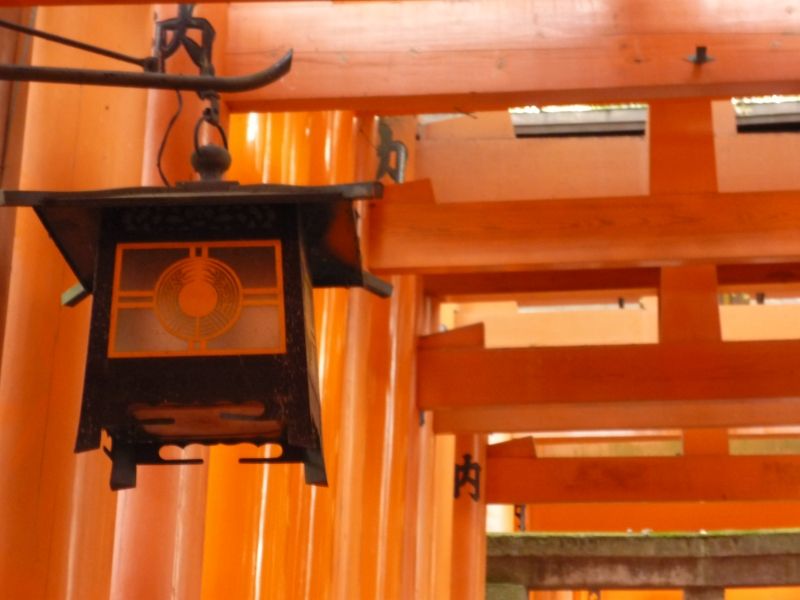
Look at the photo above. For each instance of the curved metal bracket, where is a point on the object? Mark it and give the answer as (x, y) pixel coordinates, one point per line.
(164, 81)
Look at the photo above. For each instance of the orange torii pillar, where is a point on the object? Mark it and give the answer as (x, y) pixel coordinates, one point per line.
(158, 545)
(12, 104)
(375, 517)
(468, 536)
(683, 160)
(468, 570)
(267, 533)
(56, 510)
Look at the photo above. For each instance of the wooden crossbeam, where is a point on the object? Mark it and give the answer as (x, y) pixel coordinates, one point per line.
(642, 479)
(439, 56)
(455, 377)
(601, 283)
(681, 384)
(723, 228)
(769, 412)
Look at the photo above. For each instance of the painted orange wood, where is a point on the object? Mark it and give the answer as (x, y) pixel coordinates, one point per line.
(242, 535)
(682, 153)
(355, 539)
(471, 336)
(499, 169)
(421, 569)
(445, 57)
(589, 233)
(688, 308)
(521, 447)
(439, 572)
(233, 549)
(159, 534)
(468, 567)
(617, 415)
(434, 526)
(331, 137)
(415, 541)
(683, 160)
(591, 283)
(697, 384)
(466, 127)
(368, 534)
(416, 192)
(396, 560)
(283, 496)
(651, 479)
(12, 102)
(598, 284)
(57, 515)
(455, 377)
(705, 441)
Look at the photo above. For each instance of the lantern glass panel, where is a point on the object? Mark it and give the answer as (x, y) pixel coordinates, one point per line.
(197, 299)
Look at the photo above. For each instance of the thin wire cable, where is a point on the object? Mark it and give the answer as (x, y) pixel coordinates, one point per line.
(142, 62)
(164, 140)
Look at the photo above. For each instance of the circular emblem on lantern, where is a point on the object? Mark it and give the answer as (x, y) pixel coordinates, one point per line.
(197, 299)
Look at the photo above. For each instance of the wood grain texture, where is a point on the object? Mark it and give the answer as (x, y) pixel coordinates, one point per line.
(698, 384)
(642, 479)
(442, 56)
(669, 230)
(599, 284)
(455, 377)
(560, 417)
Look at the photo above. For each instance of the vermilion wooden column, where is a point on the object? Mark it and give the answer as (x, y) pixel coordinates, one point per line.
(468, 572)
(56, 510)
(12, 106)
(268, 534)
(284, 509)
(236, 511)
(682, 156)
(682, 160)
(158, 546)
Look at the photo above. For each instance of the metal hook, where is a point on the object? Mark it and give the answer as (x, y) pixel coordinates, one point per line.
(700, 56)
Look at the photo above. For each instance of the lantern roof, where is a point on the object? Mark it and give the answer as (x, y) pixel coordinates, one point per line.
(328, 221)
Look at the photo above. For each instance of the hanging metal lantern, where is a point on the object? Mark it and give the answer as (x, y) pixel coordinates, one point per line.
(202, 327)
(202, 324)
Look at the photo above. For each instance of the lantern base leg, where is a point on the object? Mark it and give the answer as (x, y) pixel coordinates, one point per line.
(315, 468)
(123, 466)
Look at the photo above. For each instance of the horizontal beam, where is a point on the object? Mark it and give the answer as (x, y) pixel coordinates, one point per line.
(559, 417)
(642, 479)
(623, 232)
(592, 561)
(467, 376)
(612, 282)
(440, 56)
(701, 384)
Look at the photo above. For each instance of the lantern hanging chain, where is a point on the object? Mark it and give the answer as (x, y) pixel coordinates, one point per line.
(211, 117)
(147, 63)
(164, 139)
(201, 56)
(172, 34)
